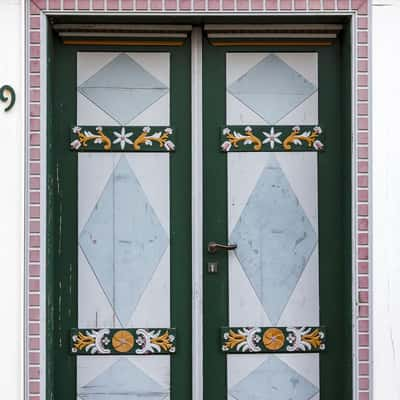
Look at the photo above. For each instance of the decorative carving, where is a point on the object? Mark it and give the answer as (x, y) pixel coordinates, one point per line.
(92, 341)
(161, 138)
(123, 341)
(128, 341)
(121, 140)
(244, 339)
(273, 339)
(310, 137)
(272, 137)
(152, 341)
(232, 139)
(86, 136)
(305, 339)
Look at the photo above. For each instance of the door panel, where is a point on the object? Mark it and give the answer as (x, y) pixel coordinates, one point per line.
(129, 88)
(119, 222)
(125, 295)
(269, 89)
(276, 187)
(273, 274)
(273, 218)
(124, 223)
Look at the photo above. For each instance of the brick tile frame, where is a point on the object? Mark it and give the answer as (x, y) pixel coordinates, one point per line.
(34, 379)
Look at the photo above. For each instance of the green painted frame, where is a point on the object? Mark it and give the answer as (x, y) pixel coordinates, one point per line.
(334, 176)
(62, 231)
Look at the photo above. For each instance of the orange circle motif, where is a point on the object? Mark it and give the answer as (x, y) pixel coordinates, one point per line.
(273, 339)
(123, 341)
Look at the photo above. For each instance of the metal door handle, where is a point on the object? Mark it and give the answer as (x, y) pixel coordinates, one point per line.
(214, 247)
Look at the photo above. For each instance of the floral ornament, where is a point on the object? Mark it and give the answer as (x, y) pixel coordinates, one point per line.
(162, 138)
(226, 146)
(318, 145)
(93, 342)
(272, 339)
(272, 137)
(245, 339)
(303, 339)
(111, 341)
(153, 342)
(169, 146)
(86, 136)
(297, 138)
(122, 138)
(233, 138)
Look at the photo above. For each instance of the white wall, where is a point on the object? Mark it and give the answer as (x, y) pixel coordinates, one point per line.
(11, 201)
(386, 198)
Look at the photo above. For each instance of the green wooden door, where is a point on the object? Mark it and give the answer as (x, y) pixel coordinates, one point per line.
(276, 185)
(119, 221)
(277, 307)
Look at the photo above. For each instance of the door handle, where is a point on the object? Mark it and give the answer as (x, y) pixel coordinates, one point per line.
(213, 247)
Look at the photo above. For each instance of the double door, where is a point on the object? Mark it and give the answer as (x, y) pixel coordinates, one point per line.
(276, 265)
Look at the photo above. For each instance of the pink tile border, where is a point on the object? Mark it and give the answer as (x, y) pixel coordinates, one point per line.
(359, 7)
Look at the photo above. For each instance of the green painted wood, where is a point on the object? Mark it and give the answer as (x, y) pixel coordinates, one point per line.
(334, 202)
(334, 193)
(62, 227)
(180, 226)
(215, 286)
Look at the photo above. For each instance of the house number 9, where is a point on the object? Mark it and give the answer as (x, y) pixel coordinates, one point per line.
(7, 94)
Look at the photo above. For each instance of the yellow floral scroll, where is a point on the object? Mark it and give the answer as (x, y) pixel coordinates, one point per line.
(272, 140)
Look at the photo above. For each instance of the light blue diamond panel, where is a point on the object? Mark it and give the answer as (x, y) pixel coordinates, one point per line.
(122, 381)
(123, 89)
(272, 89)
(123, 241)
(274, 380)
(275, 239)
